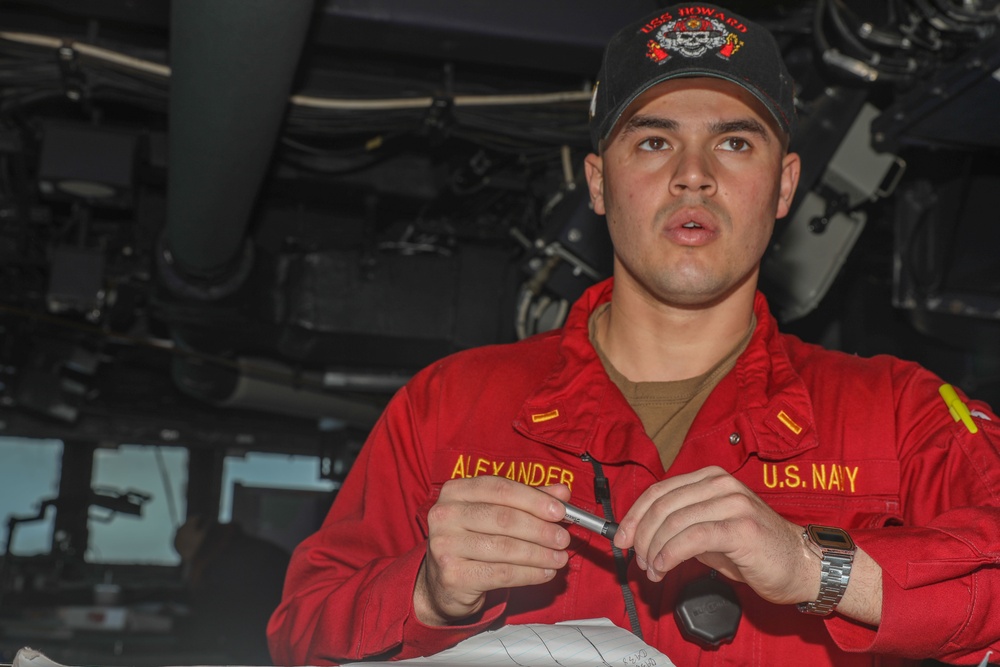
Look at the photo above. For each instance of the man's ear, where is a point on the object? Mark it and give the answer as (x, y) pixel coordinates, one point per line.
(791, 167)
(593, 167)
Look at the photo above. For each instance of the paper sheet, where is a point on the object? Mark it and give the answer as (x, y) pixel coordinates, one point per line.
(29, 657)
(588, 643)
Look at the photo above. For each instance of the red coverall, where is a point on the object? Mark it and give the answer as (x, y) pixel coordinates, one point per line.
(823, 437)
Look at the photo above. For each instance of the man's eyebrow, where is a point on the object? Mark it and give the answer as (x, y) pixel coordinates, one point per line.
(741, 125)
(641, 122)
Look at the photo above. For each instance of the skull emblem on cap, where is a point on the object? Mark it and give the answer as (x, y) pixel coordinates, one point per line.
(692, 37)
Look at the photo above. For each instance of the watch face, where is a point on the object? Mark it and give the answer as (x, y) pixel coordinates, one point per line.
(830, 538)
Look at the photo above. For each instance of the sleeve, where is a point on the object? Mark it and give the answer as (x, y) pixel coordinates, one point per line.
(348, 593)
(940, 555)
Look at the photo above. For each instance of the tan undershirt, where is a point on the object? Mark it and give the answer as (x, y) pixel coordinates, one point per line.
(667, 409)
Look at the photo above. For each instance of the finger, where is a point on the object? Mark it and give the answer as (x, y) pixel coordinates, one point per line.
(493, 561)
(481, 531)
(660, 498)
(504, 492)
(557, 491)
(511, 510)
(654, 494)
(714, 526)
(712, 499)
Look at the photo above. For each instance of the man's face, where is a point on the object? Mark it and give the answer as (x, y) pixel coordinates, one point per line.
(691, 181)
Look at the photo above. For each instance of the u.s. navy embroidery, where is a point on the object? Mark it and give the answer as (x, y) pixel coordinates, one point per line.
(812, 476)
(531, 473)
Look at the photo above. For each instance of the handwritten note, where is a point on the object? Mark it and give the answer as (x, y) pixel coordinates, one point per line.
(586, 643)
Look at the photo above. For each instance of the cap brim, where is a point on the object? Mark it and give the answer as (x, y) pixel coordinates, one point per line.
(689, 74)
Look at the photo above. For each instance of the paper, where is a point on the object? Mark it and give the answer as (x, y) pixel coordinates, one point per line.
(589, 643)
(29, 657)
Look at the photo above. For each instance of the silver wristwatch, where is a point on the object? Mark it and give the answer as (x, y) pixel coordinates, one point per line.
(836, 548)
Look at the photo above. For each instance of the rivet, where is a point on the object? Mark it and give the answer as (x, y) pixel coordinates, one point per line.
(734, 438)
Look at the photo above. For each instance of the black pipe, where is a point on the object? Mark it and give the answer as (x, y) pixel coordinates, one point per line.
(232, 62)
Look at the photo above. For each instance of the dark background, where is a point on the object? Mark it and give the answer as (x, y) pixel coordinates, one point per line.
(242, 224)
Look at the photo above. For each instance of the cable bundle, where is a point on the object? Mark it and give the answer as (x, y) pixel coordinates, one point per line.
(915, 39)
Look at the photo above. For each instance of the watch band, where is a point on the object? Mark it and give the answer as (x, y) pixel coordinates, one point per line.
(837, 553)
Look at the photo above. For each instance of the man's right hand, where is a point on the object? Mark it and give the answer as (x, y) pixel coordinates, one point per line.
(487, 533)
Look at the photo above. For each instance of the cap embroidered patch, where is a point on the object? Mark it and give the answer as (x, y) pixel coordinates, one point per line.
(692, 38)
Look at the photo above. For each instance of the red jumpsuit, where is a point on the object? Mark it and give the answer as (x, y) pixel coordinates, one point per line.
(823, 437)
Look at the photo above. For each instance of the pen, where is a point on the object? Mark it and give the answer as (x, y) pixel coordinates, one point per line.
(959, 410)
(590, 521)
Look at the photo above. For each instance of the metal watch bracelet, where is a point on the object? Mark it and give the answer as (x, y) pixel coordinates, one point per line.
(835, 574)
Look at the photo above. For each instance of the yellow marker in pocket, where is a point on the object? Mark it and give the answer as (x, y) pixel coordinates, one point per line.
(959, 410)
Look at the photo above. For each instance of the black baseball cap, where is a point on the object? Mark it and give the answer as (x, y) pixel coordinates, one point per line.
(690, 40)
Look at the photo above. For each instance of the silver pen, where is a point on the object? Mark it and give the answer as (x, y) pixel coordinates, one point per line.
(590, 521)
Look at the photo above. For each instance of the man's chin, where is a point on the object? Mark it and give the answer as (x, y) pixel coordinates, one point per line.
(697, 294)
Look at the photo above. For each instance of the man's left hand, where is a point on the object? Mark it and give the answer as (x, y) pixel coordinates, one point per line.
(710, 515)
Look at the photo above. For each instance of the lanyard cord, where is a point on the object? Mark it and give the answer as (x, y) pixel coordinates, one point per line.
(602, 491)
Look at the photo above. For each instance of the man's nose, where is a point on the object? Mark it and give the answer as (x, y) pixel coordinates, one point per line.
(694, 171)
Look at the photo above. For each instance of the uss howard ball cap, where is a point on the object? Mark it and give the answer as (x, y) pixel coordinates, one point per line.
(690, 40)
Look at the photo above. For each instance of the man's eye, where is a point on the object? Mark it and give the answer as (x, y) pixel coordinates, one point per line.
(654, 144)
(735, 144)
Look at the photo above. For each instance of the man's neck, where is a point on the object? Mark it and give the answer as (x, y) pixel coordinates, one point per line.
(647, 341)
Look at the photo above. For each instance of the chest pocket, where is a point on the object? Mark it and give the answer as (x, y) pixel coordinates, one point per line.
(856, 494)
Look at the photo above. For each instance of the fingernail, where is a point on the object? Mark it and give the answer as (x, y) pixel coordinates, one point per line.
(640, 562)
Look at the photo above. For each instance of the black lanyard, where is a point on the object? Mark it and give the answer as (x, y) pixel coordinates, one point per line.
(602, 491)
(707, 611)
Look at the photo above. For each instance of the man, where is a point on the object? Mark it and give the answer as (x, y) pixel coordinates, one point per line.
(669, 402)
(234, 582)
